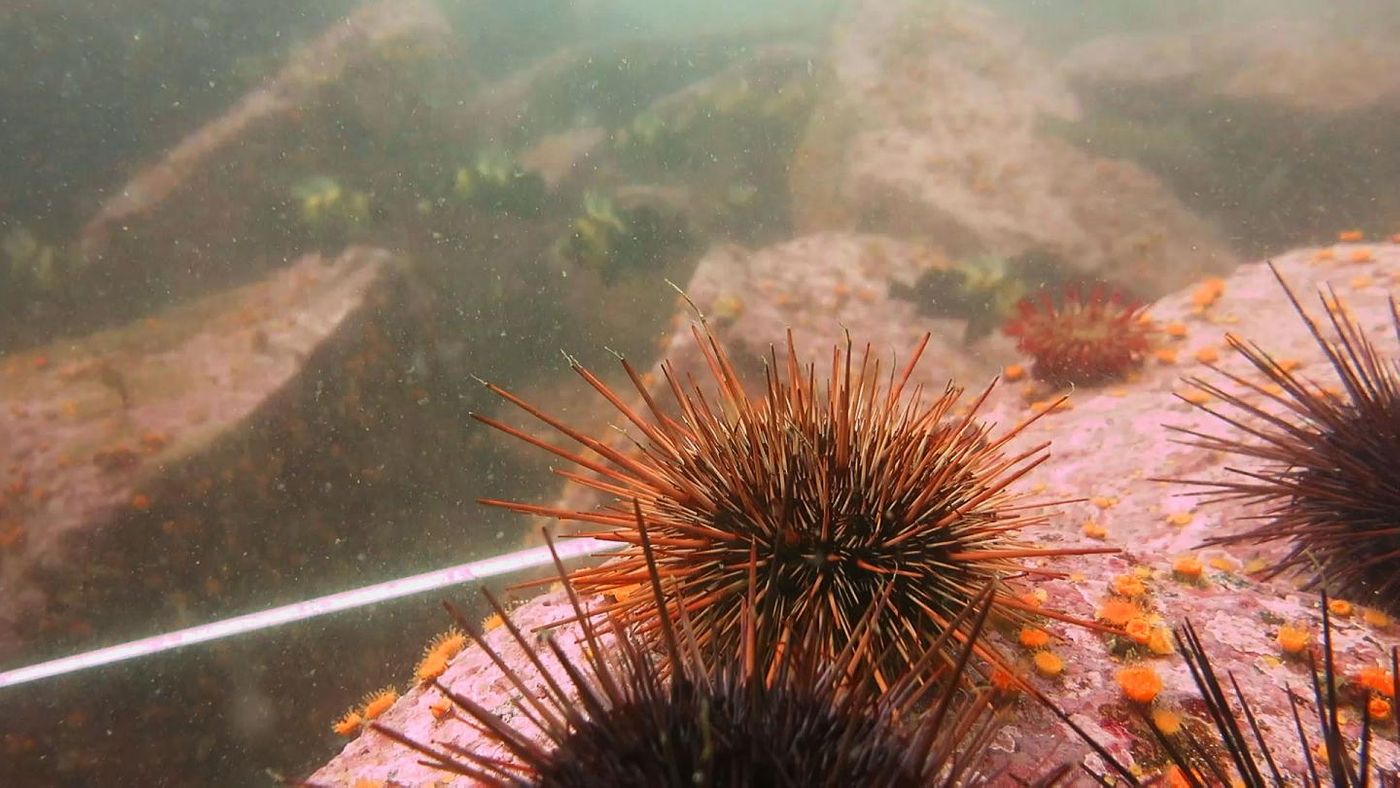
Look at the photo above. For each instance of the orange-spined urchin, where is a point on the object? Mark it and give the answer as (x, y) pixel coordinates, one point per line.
(838, 492)
(1084, 336)
(1328, 477)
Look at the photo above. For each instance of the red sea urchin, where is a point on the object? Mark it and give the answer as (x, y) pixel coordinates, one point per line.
(779, 714)
(1084, 338)
(1329, 482)
(838, 494)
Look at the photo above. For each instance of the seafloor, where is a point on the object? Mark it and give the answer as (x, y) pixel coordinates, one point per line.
(240, 358)
(1107, 444)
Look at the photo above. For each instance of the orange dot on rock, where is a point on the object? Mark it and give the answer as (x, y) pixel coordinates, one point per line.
(1139, 630)
(1188, 566)
(1377, 680)
(379, 702)
(1167, 721)
(1034, 637)
(1047, 663)
(431, 666)
(1208, 292)
(1293, 639)
(1160, 641)
(1140, 683)
(1376, 618)
(349, 724)
(1128, 585)
(1118, 611)
(1196, 397)
(450, 643)
(1003, 680)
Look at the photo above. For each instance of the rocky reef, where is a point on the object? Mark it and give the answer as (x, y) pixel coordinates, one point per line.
(97, 427)
(243, 375)
(1108, 444)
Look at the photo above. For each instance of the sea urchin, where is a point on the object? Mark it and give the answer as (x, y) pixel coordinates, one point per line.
(838, 493)
(1329, 758)
(620, 720)
(1330, 482)
(1085, 338)
(775, 714)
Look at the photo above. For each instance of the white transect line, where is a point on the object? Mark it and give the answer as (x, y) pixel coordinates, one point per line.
(300, 611)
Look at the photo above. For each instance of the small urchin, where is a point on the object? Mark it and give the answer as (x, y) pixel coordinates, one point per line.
(838, 490)
(1329, 478)
(1085, 336)
(781, 714)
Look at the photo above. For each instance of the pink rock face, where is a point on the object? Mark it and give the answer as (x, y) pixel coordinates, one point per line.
(1106, 447)
(952, 146)
(823, 286)
(90, 426)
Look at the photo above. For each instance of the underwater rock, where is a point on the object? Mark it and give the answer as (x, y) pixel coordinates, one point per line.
(932, 126)
(568, 154)
(1113, 440)
(1104, 448)
(1250, 123)
(315, 65)
(822, 286)
(91, 426)
(1305, 66)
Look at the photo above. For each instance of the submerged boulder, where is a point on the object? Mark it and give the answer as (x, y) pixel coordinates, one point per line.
(94, 426)
(934, 125)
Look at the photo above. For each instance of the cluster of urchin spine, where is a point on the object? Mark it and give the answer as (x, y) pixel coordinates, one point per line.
(837, 494)
(834, 529)
(689, 714)
(1329, 482)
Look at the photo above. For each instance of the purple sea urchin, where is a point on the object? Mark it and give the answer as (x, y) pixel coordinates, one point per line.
(838, 493)
(1329, 478)
(1329, 757)
(773, 714)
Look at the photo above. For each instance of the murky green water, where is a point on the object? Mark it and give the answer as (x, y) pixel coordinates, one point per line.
(186, 436)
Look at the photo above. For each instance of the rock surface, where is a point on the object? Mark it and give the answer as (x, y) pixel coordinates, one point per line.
(1305, 66)
(933, 127)
(1105, 447)
(368, 31)
(1252, 122)
(822, 286)
(90, 426)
